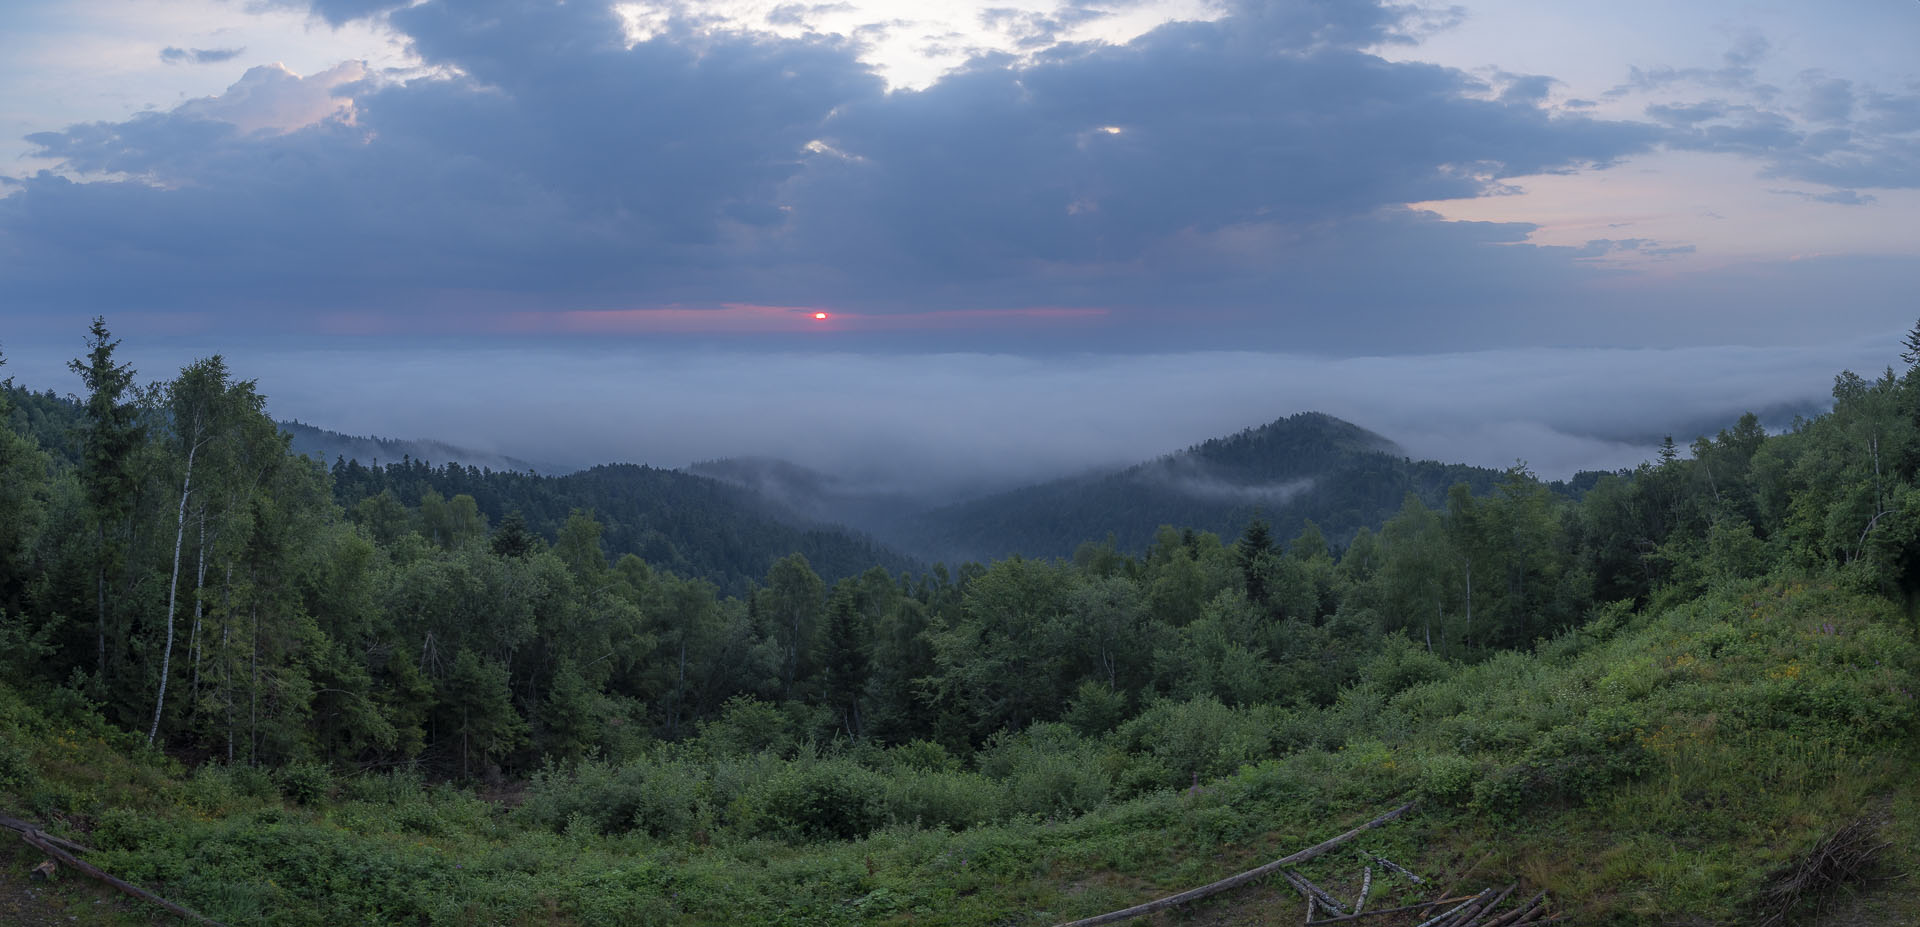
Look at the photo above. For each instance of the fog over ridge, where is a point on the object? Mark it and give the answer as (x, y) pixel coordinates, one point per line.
(961, 422)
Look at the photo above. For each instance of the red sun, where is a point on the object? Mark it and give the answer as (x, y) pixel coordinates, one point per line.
(820, 316)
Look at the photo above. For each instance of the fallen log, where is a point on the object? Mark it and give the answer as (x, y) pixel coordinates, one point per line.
(1514, 916)
(1473, 916)
(1448, 915)
(1243, 878)
(1366, 885)
(1424, 905)
(42, 841)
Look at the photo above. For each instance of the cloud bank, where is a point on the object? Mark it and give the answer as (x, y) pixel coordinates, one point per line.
(1234, 182)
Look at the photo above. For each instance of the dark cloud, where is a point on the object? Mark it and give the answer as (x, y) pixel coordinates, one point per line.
(174, 55)
(1212, 182)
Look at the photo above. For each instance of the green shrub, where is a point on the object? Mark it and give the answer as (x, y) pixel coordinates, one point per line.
(824, 799)
(1201, 739)
(1571, 764)
(1446, 780)
(305, 783)
(921, 755)
(397, 786)
(16, 768)
(942, 798)
(747, 725)
(252, 781)
(655, 795)
(1048, 770)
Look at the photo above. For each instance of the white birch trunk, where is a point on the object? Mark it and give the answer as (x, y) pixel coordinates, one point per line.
(173, 592)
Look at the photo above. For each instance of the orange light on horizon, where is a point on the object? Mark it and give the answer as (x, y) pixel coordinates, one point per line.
(821, 316)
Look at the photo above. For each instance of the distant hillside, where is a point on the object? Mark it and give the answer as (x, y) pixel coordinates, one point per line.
(692, 525)
(800, 496)
(329, 446)
(1305, 466)
(49, 418)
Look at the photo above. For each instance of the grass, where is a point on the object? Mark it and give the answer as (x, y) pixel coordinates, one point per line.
(1645, 769)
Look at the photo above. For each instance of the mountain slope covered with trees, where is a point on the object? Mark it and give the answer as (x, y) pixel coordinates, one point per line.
(1306, 467)
(1656, 703)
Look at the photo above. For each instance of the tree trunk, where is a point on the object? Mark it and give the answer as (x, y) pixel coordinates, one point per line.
(173, 594)
(253, 694)
(1466, 637)
(199, 583)
(226, 653)
(100, 607)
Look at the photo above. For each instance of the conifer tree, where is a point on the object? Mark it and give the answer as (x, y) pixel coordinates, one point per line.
(108, 441)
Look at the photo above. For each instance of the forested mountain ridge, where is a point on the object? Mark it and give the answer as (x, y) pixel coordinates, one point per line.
(692, 525)
(328, 446)
(1659, 702)
(1307, 466)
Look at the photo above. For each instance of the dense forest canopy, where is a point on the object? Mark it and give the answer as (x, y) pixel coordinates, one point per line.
(415, 613)
(167, 561)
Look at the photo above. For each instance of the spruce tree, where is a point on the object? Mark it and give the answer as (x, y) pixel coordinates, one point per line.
(108, 442)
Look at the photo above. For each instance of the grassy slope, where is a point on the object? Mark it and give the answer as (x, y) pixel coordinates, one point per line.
(1647, 769)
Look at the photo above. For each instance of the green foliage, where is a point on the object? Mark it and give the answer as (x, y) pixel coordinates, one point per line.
(818, 799)
(1651, 693)
(657, 795)
(305, 783)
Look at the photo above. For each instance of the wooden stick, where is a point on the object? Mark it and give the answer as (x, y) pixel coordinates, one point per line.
(1393, 867)
(1366, 885)
(1513, 916)
(1377, 912)
(1482, 910)
(38, 839)
(1456, 909)
(1243, 878)
(1311, 902)
(1534, 914)
(1303, 886)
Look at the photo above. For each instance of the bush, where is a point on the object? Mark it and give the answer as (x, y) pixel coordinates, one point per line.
(657, 795)
(828, 799)
(305, 783)
(1201, 738)
(921, 755)
(942, 798)
(747, 725)
(1048, 770)
(1446, 780)
(1572, 763)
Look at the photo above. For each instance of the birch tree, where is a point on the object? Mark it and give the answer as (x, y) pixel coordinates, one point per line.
(196, 402)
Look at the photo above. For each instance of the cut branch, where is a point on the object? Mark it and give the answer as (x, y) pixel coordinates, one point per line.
(1314, 892)
(1394, 867)
(1422, 906)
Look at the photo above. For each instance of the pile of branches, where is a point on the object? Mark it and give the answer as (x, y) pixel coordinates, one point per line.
(1481, 910)
(1847, 856)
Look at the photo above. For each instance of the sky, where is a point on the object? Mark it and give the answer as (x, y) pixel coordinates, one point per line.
(1045, 236)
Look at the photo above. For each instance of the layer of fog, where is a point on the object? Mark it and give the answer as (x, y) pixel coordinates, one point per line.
(957, 422)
